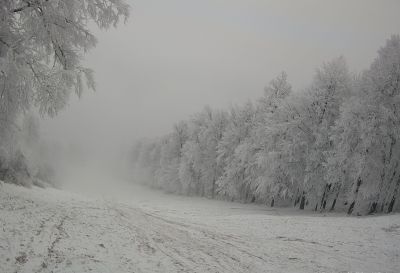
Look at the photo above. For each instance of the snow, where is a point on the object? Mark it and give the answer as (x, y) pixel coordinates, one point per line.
(135, 229)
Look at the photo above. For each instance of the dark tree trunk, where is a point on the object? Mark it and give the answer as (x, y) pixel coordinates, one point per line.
(302, 201)
(384, 201)
(323, 199)
(272, 202)
(297, 200)
(372, 208)
(392, 202)
(336, 197)
(351, 208)
(333, 204)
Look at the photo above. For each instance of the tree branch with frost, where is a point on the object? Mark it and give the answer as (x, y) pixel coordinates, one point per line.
(38, 32)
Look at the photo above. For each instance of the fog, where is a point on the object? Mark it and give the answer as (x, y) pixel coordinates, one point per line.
(223, 136)
(174, 57)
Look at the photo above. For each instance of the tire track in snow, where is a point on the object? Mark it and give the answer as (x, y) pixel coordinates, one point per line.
(54, 256)
(138, 230)
(120, 237)
(196, 246)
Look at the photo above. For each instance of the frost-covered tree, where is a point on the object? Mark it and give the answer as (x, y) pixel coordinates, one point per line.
(305, 129)
(332, 85)
(367, 141)
(233, 152)
(271, 178)
(190, 169)
(41, 48)
(170, 158)
(210, 137)
(42, 42)
(199, 167)
(333, 146)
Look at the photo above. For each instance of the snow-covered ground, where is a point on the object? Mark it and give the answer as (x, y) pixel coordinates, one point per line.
(128, 228)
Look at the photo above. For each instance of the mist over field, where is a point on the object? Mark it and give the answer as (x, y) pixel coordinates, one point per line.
(199, 136)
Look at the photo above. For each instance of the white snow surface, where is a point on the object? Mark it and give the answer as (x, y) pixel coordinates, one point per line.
(135, 229)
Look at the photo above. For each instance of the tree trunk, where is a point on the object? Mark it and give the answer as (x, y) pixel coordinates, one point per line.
(333, 205)
(302, 201)
(396, 190)
(297, 198)
(246, 196)
(372, 208)
(272, 202)
(213, 189)
(323, 199)
(351, 208)
(391, 204)
(296, 201)
(387, 192)
(390, 208)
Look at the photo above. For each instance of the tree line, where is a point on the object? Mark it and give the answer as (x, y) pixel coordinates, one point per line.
(333, 146)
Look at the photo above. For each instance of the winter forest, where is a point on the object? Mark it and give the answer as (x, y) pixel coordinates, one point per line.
(332, 146)
(199, 136)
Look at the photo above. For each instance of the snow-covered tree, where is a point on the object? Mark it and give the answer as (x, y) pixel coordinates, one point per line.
(216, 122)
(335, 145)
(232, 153)
(42, 42)
(271, 180)
(41, 48)
(367, 141)
(332, 85)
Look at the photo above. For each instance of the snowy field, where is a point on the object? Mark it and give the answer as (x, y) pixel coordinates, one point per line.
(133, 229)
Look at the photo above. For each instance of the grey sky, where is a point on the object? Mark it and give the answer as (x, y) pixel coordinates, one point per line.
(173, 57)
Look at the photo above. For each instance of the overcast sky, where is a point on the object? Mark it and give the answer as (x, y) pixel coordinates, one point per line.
(174, 57)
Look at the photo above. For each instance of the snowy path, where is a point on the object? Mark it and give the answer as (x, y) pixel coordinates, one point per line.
(46, 230)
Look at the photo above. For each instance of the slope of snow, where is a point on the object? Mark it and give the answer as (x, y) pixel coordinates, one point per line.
(48, 230)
